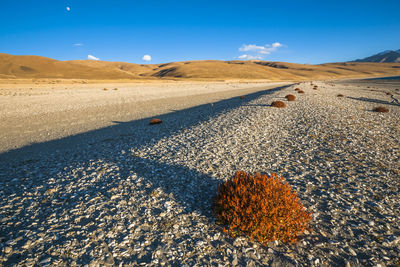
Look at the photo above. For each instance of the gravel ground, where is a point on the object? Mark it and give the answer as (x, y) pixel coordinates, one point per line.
(144, 198)
(36, 113)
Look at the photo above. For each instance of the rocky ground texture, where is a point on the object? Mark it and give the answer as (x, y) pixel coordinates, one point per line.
(144, 197)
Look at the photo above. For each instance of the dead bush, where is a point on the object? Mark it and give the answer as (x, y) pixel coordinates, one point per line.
(381, 109)
(262, 207)
(155, 121)
(290, 97)
(278, 104)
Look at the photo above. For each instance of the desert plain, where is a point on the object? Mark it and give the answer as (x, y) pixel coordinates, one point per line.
(42, 112)
(85, 180)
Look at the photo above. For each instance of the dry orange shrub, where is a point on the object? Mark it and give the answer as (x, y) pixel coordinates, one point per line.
(155, 121)
(264, 208)
(381, 109)
(290, 97)
(278, 104)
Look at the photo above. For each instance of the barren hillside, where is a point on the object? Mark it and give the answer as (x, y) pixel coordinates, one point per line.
(42, 67)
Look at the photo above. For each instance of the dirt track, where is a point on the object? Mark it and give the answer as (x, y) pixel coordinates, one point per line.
(38, 113)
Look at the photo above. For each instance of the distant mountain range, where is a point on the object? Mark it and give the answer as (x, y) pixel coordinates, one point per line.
(388, 56)
(35, 67)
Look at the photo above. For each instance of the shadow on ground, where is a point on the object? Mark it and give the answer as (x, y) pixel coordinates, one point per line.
(33, 170)
(172, 123)
(371, 100)
(258, 105)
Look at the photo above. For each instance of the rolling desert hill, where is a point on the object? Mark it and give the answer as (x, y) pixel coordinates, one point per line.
(29, 67)
(42, 67)
(120, 67)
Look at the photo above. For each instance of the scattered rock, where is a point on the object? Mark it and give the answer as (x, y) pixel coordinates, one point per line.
(151, 204)
(280, 260)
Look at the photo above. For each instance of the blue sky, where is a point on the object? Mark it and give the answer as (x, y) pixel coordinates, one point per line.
(126, 30)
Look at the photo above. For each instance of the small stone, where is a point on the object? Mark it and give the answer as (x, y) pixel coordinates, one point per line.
(7, 250)
(109, 261)
(200, 243)
(235, 261)
(45, 261)
(393, 240)
(27, 244)
(352, 252)
(50, 191)
(282, 261)
(114, 197)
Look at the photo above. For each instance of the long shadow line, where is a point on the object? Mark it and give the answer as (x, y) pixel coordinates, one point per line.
(38, 163)
(173, 122)
(27, 171)
(371, 100)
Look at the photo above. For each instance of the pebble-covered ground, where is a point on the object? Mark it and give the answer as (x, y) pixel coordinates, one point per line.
(144, 198)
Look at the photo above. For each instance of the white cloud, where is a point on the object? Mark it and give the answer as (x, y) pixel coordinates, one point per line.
(276, 45)
(258, 51)
(79, 44)
(253, 48)
(92, 57)
(250, 57)
(68, 8)
(146, 58)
